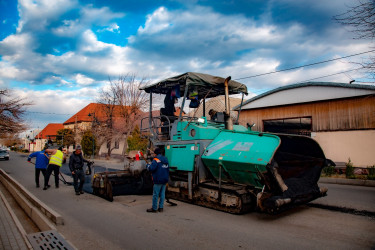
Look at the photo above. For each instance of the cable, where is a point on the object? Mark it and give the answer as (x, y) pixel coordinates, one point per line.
(44, 113)
(342, 72)
(306, 65)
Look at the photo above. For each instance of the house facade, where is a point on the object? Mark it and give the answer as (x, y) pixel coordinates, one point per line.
(94, 115)
(48, 133)
(339, 116)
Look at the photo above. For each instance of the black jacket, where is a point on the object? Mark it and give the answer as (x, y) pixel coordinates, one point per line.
(76, 161)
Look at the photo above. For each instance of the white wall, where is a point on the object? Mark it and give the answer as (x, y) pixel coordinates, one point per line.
(104, 150)
(339, 146)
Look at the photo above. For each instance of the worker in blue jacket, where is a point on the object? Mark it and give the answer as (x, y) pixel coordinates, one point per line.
(159, 169)
(41, 164)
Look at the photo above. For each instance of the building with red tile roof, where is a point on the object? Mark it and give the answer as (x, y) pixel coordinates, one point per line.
(96, 113)
(48, 133)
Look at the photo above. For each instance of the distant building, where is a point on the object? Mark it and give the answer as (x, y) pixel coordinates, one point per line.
(96, 115)
(339, 116)
(217, 104)
(47, 134)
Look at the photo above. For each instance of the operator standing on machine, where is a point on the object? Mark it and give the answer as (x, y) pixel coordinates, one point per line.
(76, 162)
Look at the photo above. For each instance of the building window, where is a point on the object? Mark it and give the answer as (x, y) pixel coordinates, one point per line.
(117, 144)
(297, 126)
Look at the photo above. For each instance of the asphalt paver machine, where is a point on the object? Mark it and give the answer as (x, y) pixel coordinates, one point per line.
(226, 166)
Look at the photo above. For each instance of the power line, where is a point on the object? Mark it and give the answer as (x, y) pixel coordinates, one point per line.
(342, 72)
(306, 65)
(44, 113)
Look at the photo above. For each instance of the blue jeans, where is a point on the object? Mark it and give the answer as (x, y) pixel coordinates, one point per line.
(159, 192)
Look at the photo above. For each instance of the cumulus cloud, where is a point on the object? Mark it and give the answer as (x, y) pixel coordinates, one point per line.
(83, 80)
(38, 15)
(54, 106)
(54, 41)
(199, 32)
(199, 39)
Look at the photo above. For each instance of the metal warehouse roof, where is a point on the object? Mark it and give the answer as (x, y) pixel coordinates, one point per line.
(307, 92)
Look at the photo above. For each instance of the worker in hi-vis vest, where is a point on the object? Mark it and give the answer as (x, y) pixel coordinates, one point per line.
(55, 162)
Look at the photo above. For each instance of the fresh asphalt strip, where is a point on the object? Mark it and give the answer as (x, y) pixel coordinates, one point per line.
(344, 210)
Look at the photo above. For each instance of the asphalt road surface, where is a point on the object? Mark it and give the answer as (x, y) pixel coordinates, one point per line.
(94, 223)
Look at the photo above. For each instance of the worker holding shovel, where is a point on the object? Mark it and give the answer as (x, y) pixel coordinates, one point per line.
(41, 164)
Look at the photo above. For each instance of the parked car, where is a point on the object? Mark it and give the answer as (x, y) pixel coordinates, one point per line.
(4, 154)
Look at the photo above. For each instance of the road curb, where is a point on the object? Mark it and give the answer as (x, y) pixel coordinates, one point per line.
(31, 204)
(341, 181)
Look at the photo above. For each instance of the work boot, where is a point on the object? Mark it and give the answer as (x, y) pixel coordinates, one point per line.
(77, 193)
(151, 210)
(45, 187)
(81, 192)
(37, 185)
(160, 210)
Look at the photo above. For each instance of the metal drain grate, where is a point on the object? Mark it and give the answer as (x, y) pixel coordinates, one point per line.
(48, 240)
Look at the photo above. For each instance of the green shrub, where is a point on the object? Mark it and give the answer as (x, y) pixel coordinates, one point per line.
(329, 171)
(136, 142)
(371, 173)
(349, 171)
(88, 143)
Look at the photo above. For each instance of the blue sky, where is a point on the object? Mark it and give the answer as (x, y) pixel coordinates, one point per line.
(60, 53)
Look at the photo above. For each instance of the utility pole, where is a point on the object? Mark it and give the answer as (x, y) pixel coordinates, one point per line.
(92, 132)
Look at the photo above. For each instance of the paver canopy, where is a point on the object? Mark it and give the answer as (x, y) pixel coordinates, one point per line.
(205, 85)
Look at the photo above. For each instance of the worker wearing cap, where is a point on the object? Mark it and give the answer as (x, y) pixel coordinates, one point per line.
(76, 163)
(159, 169)
(56, 159)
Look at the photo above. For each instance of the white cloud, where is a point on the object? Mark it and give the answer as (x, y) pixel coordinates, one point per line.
(111, 28)
(156, 22)
(102, 16)
(55, 106)
(83, 80)
(38, 14)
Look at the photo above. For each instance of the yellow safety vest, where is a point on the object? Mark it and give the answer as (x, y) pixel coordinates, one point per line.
(57, 158)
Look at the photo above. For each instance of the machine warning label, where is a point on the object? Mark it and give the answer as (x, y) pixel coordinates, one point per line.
(243, 146)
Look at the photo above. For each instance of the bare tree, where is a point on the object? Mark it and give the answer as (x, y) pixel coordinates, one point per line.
(122, 103)
(131, 100)
(12, 110)
(361, 20)
(10, 140)
(103, 127)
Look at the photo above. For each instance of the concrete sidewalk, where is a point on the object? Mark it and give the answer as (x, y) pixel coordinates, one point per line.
(11, 231)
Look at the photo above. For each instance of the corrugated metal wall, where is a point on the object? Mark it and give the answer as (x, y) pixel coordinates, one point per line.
(336, 115)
